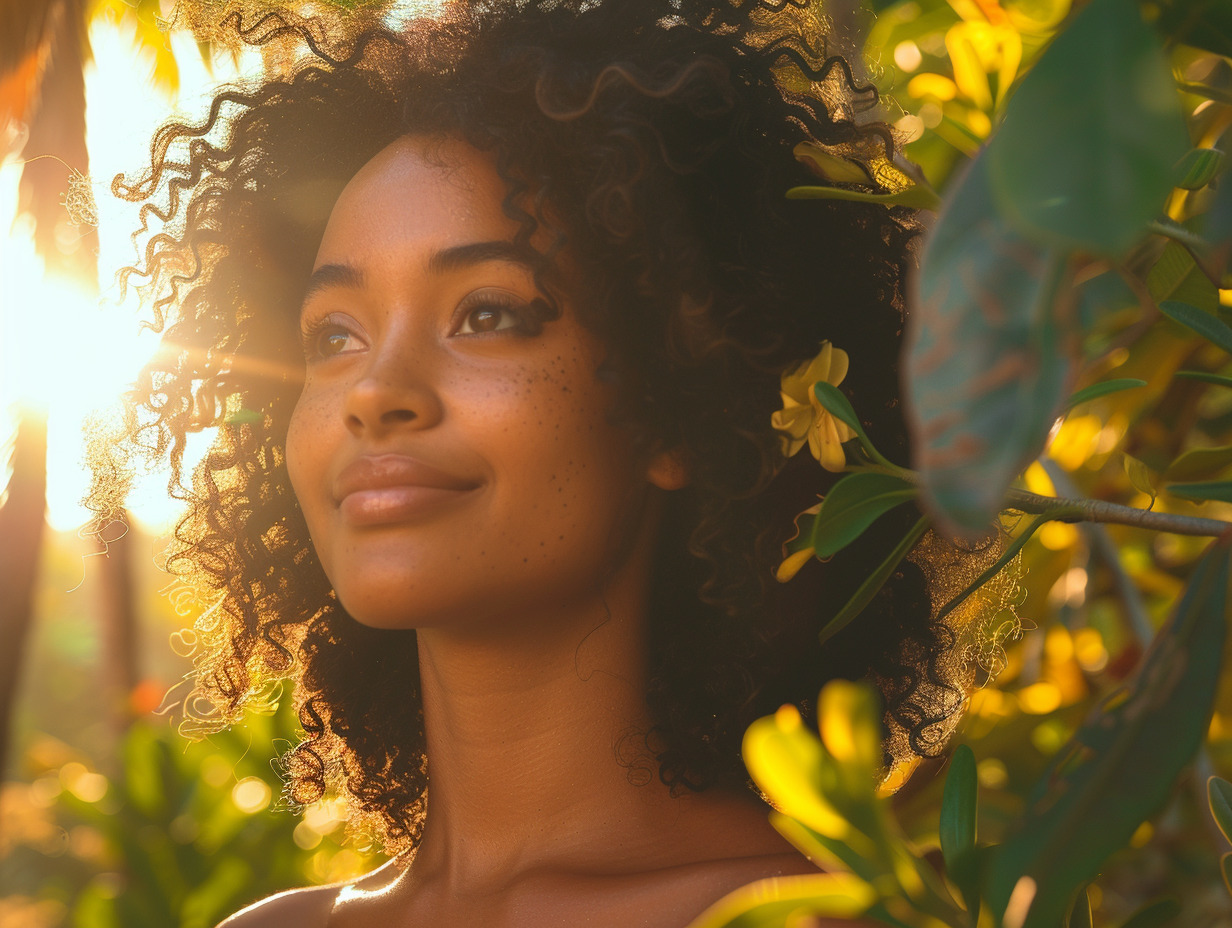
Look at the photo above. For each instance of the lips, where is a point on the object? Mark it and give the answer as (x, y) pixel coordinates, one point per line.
(387, 488)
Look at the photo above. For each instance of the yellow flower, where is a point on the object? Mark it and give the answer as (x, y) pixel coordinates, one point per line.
(804, 418)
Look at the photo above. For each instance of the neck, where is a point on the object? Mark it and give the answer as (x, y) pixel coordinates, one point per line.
(535, 735)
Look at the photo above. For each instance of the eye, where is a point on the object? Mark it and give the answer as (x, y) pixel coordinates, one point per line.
(492, 311)
(328, 338)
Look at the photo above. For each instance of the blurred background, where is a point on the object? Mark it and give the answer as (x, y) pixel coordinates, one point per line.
(110, 817)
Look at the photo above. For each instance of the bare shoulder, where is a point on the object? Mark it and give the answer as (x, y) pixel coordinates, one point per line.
(304, 908)
(311, 907)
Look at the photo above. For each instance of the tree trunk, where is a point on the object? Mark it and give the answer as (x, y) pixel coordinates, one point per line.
(21, 536)
(118, 626)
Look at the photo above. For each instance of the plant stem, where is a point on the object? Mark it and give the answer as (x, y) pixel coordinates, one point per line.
(1135, 610)
(1065, 509)
(1144, 632)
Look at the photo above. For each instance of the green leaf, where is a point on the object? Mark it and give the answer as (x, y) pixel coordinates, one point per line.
(1154, 914)
(1121, 764)
(1176, 276)
(826, 852)
(1198, 463)
(875, 581)
(778, 901)
(1141, 478)
(1212, 329)
(1220, 490)
(1225, 870)
(852, 505)
(915, 196)
(1079, 915)
(957, 829)
(1199, 167)
(832, 398)
(1219, 793)
(1074, 171)
(1096, 390)
(958, 825)
(1218, 379)
(987, 366)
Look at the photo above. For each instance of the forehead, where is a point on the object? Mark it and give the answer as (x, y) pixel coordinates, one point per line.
(418, 191)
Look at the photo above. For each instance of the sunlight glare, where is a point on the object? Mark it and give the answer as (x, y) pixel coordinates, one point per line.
(62, 349)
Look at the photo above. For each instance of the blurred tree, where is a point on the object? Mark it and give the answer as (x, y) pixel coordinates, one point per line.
(21, 534)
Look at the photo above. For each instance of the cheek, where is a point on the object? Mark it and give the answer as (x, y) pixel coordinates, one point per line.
(307, 449)
(568, 473)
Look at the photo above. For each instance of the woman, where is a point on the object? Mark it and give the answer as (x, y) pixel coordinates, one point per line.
(491, 315)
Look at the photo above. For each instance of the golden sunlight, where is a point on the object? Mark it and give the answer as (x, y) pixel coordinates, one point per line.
(65, 351)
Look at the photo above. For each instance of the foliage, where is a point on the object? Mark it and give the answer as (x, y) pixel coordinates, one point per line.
(182, 835)
(1077, 160)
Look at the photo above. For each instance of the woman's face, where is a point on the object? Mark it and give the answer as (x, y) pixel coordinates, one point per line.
(452, 463)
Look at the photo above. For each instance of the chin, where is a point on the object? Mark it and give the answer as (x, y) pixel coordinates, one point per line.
(388, 613)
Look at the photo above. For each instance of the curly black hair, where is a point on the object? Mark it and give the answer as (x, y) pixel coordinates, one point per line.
(650, 141)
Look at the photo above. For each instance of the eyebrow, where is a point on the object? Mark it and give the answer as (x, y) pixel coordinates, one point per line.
(447, 259)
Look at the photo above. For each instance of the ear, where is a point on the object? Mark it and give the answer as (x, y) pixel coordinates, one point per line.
(668, 469)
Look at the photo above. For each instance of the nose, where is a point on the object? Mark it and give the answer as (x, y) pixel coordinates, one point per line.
(393, 392)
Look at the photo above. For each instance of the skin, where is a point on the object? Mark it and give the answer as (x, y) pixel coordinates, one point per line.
(527, 581)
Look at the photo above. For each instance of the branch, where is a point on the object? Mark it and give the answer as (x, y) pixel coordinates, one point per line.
(1067, 509)
(1144, 632)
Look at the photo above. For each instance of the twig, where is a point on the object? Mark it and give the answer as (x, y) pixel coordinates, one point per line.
(1179, 234)
(1077, 509)
(1143, 631)
(1106, 549)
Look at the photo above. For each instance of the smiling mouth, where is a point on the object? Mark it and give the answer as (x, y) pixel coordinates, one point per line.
(390, 488)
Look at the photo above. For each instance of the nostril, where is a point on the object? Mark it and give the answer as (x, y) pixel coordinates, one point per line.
(397, 416)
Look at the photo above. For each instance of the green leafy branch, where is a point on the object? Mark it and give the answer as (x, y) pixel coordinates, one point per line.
(1067, 229)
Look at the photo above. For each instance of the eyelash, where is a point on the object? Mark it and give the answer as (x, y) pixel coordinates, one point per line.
(525, 321)
(313, 331)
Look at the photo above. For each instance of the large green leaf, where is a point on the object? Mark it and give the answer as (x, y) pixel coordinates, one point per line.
(987, 365)
(1069, 167)
(853, 505)
(1121, 764)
